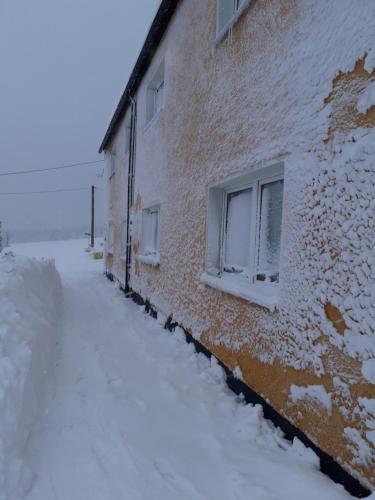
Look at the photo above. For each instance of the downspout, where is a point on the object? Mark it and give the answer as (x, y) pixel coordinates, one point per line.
(130, 200)
(106, 209)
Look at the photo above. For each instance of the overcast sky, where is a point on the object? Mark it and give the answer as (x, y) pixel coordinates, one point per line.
(63, 67)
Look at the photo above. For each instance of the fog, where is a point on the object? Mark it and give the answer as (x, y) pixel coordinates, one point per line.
(63, 67)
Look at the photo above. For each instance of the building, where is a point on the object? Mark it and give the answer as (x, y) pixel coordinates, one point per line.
(241, 177)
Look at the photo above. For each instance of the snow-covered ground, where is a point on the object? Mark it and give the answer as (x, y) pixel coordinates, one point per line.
(132, 413)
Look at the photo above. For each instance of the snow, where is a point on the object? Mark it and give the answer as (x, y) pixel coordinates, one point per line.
(152, 259)
(368, 405)
(346, 180)
(362, 453)
(363, 450)
(131, 411)
(342, 397)
(371, 437)
(368, 370)
(316, 393)
(368, 412)
(237, 372)
(29, 311)
(370, 60)
(367, 99)
(238, 285)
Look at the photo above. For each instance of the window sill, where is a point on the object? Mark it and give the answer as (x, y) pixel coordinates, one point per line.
(220, 35)
(262, 295)
(151, 260)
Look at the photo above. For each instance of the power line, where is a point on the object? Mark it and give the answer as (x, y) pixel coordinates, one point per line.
(46, 191)
(71, 165)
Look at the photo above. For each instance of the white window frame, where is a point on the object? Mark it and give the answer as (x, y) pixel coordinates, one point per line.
(155, 94)
(215, 274)
(238, 7)
(146, 256)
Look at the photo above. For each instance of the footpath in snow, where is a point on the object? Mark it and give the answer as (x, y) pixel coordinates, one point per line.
(132, 413)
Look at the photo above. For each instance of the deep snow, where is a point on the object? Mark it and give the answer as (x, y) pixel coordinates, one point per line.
(133, 413)
(29, 315)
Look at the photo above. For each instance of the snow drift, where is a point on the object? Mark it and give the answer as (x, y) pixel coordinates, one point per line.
(29, 306)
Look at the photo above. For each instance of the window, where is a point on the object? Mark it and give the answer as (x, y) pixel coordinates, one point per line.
(270, 218)
(155, 94)
(227, 13)
(150, 236)
(244, 228)
(237, 230)
(110, 237)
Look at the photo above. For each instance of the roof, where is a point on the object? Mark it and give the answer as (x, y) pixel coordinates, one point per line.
(153, 39)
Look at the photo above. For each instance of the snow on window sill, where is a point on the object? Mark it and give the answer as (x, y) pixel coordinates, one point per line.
(151, 260)
(220, 35)
(265, 295)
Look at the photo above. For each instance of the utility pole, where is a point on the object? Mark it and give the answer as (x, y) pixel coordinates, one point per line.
(1, 238)
(92, 216)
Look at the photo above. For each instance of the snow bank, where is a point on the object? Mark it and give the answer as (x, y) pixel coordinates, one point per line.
(29, 303)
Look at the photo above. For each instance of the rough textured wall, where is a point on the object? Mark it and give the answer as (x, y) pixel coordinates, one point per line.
(285, 83)
(118, 195)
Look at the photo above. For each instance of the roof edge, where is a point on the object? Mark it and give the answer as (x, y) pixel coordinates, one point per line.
(155, 34)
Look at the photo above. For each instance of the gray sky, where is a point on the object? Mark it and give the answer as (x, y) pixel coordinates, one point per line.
(63, 67)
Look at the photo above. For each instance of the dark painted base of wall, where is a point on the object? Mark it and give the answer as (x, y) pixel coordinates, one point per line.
(327, 464)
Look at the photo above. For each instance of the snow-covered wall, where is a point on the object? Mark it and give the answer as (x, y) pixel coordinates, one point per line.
(116, 204)
(29, 308)
(291, 82)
